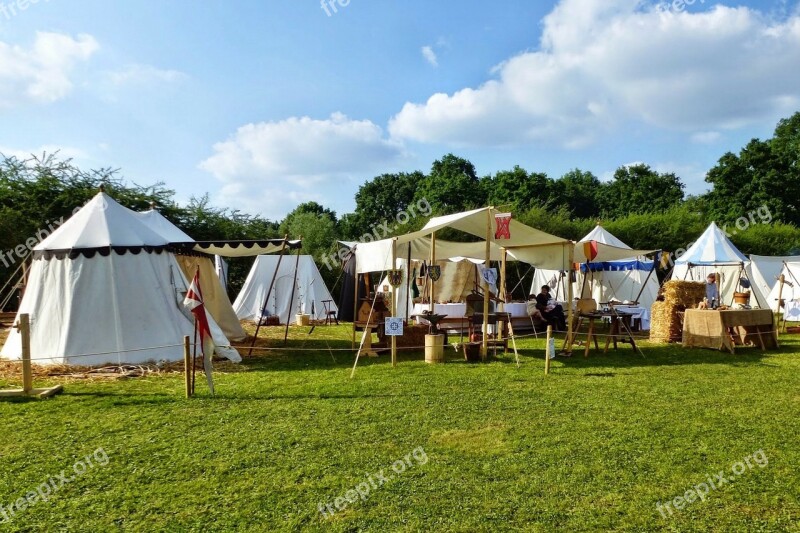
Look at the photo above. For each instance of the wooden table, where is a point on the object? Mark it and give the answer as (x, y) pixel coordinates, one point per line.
(723, 330)
(620, 327)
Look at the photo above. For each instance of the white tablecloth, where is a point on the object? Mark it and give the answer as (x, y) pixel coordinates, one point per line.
(641, 313)
(517, 309)
(456, 310)
(792, 310)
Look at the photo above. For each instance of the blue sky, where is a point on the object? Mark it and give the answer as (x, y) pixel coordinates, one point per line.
(268, 104)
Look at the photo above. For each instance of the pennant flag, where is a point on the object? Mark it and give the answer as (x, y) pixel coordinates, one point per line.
(194, 303)
(503, 226)
(590, 250)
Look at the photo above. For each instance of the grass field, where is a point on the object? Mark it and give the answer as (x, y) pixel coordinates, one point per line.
(596, 445)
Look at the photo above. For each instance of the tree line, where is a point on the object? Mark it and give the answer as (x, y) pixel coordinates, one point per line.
(643, 207)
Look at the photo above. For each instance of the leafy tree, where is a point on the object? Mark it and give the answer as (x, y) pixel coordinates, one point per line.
(518, 189)
(578, 191)
(380, 199)
(640, 189)
(452, 186)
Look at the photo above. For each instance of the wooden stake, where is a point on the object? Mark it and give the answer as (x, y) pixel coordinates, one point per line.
(547, 350)
(187, 365)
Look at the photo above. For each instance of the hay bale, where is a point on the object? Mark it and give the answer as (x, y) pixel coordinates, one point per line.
(684, 294)
(665, 322)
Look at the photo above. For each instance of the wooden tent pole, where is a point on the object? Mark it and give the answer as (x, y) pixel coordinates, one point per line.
(431, 303)
(569, 297)
(485, 336)
(25, 334)
(187, 365)
(269, 292)
(646, 280)
(394, 302)
(781, 281)
(408, 285)
(291, 299)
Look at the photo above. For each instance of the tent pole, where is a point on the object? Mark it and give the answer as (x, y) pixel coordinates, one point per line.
(355, 295)
(569, 298)
(291, 299)
(394, 302)
(781, 281)
(433, 262)
(408, 286)
(485, 337)
(269, 291)
(645, 281)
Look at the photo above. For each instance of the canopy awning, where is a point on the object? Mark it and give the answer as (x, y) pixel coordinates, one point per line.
(240, 248)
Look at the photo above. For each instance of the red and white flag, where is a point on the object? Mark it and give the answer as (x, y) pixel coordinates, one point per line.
(194, 302)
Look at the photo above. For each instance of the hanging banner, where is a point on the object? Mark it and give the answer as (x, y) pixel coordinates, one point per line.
(590, 250)
(395, 277)
(502, 226)
(489, 275)
(435, 272)
(394, 327)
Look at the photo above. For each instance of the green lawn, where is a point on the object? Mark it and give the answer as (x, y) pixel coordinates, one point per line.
(593, 446)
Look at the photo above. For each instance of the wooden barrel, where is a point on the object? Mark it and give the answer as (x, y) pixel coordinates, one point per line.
(434, 349)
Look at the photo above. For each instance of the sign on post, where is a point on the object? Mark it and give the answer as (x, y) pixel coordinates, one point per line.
(394, 327)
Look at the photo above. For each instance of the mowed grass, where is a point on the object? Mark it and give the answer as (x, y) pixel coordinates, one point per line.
(593, 446)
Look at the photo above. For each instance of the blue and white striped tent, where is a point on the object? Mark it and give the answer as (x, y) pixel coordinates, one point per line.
(622, 279)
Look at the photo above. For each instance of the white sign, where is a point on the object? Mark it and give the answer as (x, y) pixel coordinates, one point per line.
(394, 327)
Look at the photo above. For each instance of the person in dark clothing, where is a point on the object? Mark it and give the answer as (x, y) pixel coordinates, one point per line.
(551, 311)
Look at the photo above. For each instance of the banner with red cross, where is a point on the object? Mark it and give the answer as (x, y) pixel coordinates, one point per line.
(502, 226)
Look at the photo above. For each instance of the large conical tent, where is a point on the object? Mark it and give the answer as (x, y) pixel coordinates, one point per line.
(713, 252)
(300, 291)
(104, 288)
(630, 279)
(214, 296)
(763, 272)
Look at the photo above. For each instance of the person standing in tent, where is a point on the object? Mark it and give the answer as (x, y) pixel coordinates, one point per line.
(551, 311)
(712, 293)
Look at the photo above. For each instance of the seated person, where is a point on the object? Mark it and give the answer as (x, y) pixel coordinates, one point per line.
(552, 312)
(533, 312)
(712, 293)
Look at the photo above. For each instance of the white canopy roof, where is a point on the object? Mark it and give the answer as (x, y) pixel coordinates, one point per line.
(603, 236)
(101, 223)
(158, 223)
(712, 248)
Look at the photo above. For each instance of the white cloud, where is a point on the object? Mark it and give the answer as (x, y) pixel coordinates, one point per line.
(602, 64)
(430, 56)
(706, 137)
(270, 167)
(137, 74)
(42, 73)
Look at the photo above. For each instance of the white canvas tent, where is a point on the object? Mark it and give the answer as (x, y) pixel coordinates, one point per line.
(214, 295)
(627, 279)
(104, 288)
(713, 252)
(309, 291)
(763, 272)
(790, 293)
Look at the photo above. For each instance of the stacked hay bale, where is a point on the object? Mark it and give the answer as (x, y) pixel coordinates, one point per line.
(666, 324)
